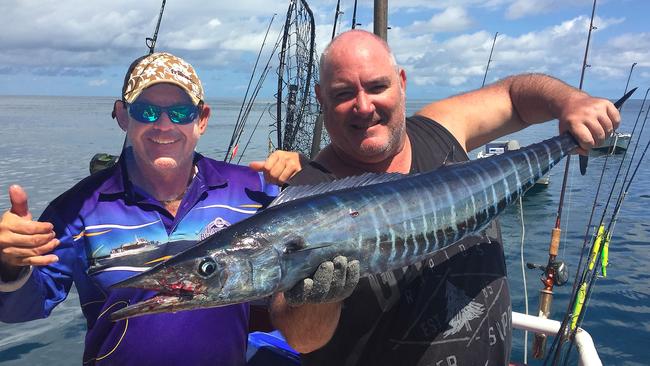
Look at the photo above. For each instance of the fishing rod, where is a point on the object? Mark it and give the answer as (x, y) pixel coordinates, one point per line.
(489, 59)
(555, 272)
(628, 77)
(239, 125)
(562, 334)
(354, 15)
(101, 161)
(151, 41)
(598, 259)
(600, 246)
(584, 159)
(336, 17)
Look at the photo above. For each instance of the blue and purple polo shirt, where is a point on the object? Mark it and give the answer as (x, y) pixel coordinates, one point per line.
(110, 230)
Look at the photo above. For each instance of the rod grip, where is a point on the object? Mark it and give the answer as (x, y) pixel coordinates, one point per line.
(555, 241)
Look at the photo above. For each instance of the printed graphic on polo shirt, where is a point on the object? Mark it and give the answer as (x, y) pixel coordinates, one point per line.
(128, 247)
(112, 247)
(212, 228)
(461, 309)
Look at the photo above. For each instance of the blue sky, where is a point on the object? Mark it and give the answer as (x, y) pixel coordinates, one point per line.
(76, 47)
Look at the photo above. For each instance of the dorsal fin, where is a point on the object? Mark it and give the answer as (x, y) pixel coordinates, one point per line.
(295, 192)
(450, 155)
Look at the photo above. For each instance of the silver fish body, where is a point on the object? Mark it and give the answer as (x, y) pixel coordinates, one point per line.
(385, 221)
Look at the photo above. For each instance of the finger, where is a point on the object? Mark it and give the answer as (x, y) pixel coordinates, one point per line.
(31, 251)
(351, 277)
(269, 164)
(338, 276)
(40, 260)
(256, 165)
(276, 171)
(18, 198)
(583, 136)
(289, 171)
(614, 115)
(297, 295)
(19, 225)
(322, 282)
(599, 130)
(27, 240)
(285, 176)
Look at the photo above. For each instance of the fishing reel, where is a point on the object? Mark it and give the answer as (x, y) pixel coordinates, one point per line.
(559, 268)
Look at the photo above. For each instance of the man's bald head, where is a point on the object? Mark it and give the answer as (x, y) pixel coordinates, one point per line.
(355, 39)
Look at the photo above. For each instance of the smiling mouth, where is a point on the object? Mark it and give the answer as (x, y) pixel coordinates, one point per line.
(366, 125)
(162, 142)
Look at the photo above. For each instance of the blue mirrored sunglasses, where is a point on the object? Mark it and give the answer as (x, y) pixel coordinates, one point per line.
(180, 114)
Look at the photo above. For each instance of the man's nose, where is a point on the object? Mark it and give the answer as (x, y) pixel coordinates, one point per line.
(163, 122)
(363, 103)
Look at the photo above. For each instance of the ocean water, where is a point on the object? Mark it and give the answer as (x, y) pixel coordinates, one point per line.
(46, 144)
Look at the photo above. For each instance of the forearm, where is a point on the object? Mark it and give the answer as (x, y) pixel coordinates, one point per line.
(307, 327)
(517, 102)
(538, 98)
(501, 108)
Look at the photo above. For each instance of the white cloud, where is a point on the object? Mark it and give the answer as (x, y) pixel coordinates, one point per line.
(94, 39)
(459, 61)
(523, 8)
(452, 19)
(97, 82)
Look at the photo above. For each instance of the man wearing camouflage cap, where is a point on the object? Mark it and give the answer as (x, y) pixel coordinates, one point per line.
(158, 199)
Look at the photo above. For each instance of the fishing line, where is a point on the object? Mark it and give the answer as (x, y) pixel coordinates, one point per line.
(257, 90)
(250, 138)
(523, 272)
(249, 107)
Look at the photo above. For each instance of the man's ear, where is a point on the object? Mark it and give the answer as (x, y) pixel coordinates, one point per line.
(204, 117)
(402, 79)
(121, 114)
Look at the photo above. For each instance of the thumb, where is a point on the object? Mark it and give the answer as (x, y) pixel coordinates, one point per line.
(18, 198)
(256, 165)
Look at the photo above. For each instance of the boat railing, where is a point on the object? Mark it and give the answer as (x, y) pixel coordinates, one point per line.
(588, 356)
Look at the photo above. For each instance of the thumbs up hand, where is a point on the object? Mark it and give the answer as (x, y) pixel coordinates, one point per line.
(23, 242)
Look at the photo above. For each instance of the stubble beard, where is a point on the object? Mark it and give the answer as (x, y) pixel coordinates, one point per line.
(396, 137)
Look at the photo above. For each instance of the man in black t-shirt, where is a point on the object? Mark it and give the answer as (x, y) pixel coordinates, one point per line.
(454, 308)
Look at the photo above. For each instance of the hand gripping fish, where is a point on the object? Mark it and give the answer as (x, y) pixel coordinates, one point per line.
(386, 221)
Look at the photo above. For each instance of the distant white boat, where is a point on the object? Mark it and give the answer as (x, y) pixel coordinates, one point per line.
(617, 143)
(499, 147)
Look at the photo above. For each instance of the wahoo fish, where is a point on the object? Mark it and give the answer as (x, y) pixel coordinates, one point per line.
(385, 221)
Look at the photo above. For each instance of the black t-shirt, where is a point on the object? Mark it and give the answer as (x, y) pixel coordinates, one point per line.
(452, 309)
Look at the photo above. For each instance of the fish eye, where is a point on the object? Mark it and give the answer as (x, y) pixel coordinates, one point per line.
(207, 267)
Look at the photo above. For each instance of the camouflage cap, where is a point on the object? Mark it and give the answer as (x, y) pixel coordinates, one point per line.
(161, 67)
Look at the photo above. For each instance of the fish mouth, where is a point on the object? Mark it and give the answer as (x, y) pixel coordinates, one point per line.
(172, 295)
(161, 303)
